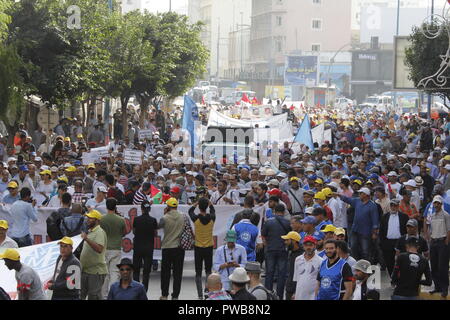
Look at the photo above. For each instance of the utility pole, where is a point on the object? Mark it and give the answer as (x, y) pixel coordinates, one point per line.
(397, 32)
(170, 5)
(218, 49)
(429, 93)
(107, 100)
(242, 42)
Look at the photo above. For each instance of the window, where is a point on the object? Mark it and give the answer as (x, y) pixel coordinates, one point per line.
(279, 46)
(315, 47)
(279, 21)
(317, 24)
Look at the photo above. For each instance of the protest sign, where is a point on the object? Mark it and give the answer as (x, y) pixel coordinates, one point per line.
(145, 134)
(133, 157)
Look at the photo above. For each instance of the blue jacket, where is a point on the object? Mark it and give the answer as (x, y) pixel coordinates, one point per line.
(247, 233)
(366, 216)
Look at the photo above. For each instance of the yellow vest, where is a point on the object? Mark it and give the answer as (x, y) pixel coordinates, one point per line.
(204, 234)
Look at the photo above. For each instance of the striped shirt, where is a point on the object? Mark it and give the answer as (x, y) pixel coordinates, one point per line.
(219, 295)
(139, 197)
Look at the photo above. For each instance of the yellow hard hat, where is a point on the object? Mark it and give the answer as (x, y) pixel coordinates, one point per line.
(66, 240)
(172, 202)
(10, 254)
(94, 214)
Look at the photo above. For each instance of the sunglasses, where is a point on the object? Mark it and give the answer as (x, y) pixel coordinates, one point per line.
(125, 269)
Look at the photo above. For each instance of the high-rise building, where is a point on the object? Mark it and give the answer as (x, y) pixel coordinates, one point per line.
(220, 17)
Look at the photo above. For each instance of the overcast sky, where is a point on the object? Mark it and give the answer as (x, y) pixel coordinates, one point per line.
(163, 5)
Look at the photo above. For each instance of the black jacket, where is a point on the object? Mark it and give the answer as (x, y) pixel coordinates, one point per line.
(384, 222)
(60, 288)
(290, 284)
(243, 294)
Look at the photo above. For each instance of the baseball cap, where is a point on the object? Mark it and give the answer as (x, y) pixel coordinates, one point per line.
(357, 181)
(365, 191)
(363, 266)
(327, 192)
(412, 223)
(66, 240)
(447, 167)
(4, 224)
(172, 202)
(71, 169)
(54, 169)
(294, 179)
(309, 239)
(37, 159)
(320, 195)
(23, 168)
(309, 210)
(175, 190)
(394, 202)
(79, 136)
(94, 214)
(175, 172)
(329, 228)
(231, 236)
(319, 181)
(91, 166)
(411, 183)
(339, 231)
(10, 254)
(446, 158)
(308, 220)
(392, 174)
(67, 139)
(373, 176)
(292, 235)
(46, 172)
(12, 185)
(64, 179)
(274, 182)
(438, 199)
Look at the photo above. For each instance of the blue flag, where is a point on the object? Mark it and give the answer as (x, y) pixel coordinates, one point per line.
(304, 135)
(190, 114)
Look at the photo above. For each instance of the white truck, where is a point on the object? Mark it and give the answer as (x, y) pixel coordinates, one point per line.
(378, 103)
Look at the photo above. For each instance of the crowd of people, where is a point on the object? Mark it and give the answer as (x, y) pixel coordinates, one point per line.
(312, 228)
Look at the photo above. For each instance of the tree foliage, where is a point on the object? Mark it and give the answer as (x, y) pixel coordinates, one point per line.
(423, 57)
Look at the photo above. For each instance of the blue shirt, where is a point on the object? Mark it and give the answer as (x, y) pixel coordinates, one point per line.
(366, 215)
(321, 235)
(135, 291)
(3, 186)
(72, 222)
(22, 212)
(9, 199)
(247, 233)
(238, 254)
(330, 280)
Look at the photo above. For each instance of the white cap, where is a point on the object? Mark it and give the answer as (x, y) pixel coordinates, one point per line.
(164, 171)
(365, 191)
(274, 182)
(282, 175)
(294, 156)
(334, 184)
(392, 174)
(175, 172)
(12, 159)
(160, 159)
(447, 167)
(438, 199)
(404, 156)
(356, 149)
(411, 183)
(37, 159)
(430, 159)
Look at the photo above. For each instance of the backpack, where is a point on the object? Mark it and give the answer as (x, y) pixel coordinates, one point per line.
(187, 239)
(76, 231)
(53, 226)
(270, 294)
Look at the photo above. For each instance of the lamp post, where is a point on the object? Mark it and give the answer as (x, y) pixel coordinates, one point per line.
(429, 93)
(107, 100)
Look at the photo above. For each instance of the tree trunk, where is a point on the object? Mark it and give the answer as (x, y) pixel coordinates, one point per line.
(143, 105)
(124, 103)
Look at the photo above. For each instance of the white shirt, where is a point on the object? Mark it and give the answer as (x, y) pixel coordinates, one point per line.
(305, 273)
(8, 243)
(299, 195)
(357, 292)
(217, 198)
(394, 186)
(92, 204)
(393, 231)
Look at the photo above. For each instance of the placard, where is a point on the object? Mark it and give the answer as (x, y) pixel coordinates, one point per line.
(133, 156)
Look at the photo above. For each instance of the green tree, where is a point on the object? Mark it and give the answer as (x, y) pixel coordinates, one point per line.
(5, 18)
(423, 57)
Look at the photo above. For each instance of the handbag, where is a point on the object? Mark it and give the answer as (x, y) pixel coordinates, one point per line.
(187, 239)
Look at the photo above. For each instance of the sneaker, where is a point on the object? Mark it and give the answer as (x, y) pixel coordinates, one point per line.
(199, 298)
(163, 298)
(174, 298)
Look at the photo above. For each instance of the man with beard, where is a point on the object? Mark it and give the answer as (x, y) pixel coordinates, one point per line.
(362, 272)
(306, 269)
(292, 242)
(335, 276)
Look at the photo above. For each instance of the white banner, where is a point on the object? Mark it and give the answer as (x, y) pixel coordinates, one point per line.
(217, 119)
(94, 155)
(133, 156)
(41, 258)
(318, 134)
(145, 134)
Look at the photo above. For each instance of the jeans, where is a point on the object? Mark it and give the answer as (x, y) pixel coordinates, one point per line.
(274, 260)
(24, 241)
(138, 258)
(172, 259)
(202, 256)
(394, 297)
(360, 246)
(112, 260)
(91, 286)
(439, 257)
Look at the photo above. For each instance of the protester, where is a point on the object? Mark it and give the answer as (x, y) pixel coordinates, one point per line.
(214, 286)
(361, 291)
(24, 211)
(5, 241)
(66, 280)
(145, 229)
(239, 280)
(228, 257)
(255, 287)
(92, 259)
(247, 234)
(114, 227)
(29, 285)
(126, 288)
(292, 242)
(172, 255)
